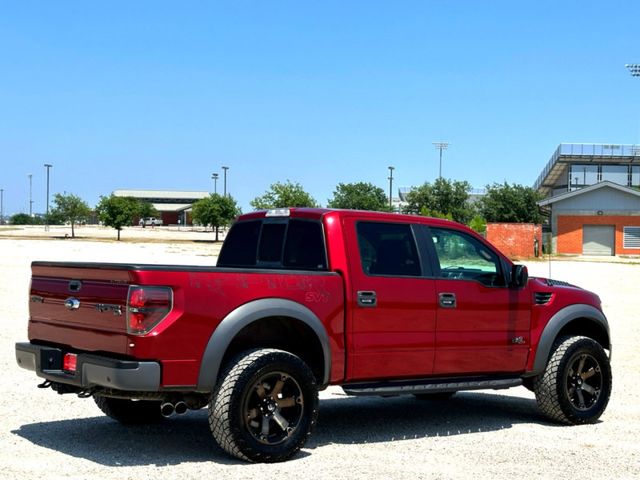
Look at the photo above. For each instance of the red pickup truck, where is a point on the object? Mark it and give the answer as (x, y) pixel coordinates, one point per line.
(379, 304)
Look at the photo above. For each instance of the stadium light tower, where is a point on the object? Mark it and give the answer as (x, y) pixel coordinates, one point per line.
(391, 187)
(215, 182)
(225, 180)
(30, 194)
(634, 69)
(47, 166)
(440, 146)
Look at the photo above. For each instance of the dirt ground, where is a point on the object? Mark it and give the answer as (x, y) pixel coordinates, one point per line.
(482, 434)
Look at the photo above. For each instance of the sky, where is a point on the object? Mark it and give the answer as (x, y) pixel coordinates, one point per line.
(160, 95)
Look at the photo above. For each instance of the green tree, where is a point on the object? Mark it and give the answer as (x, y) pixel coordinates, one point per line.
(215, 211)
(70, 208)
(443, 198)
(511, 203)
(23, 219)
(478, 224)
(117, 212)
(147, 210)
(281, 195)
(359, 196)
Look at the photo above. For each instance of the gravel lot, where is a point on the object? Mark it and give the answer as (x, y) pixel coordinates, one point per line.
(475, 435)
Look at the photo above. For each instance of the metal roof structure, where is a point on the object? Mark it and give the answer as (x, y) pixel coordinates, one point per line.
(568, 153)
(162, 194)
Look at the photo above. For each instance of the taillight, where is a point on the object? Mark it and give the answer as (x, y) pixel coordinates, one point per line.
(147, 307)
(69, 362)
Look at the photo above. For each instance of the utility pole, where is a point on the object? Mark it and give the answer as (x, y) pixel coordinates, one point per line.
(30, 195)
(225, 180)
(391, 187)
(440, 146)
(46, 226)
(215, 182)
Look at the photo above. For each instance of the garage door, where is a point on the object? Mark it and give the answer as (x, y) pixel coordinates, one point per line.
(598, 240)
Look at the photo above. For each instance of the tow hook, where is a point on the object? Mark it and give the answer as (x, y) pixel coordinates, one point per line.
(45, 384)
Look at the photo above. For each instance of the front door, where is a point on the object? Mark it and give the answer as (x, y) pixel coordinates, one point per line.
(392, 328)
(482, 323)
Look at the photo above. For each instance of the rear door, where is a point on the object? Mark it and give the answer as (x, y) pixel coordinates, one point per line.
(393, 315)
(482, 324)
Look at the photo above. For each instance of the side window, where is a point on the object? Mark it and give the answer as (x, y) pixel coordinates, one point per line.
(465, 258)
(388, 249)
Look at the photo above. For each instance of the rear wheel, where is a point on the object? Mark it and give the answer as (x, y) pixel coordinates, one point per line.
(265, 406)
(130, 412)
(576, 384)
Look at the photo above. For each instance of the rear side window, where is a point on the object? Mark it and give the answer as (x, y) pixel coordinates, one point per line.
(281, 244)
(388, 249)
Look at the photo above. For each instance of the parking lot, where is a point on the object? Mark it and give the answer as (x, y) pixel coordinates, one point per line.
(482, 434)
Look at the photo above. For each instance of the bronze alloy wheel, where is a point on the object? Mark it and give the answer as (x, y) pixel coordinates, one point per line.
(273, 408)
(584, 381)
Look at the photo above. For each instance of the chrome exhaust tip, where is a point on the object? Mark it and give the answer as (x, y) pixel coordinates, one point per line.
(167, 409)
(181, 408)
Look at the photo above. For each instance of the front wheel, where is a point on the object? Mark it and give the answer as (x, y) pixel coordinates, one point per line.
(576, 384)
(265, 406)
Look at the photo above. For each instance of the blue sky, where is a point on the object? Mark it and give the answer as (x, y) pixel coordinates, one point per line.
(160, 95)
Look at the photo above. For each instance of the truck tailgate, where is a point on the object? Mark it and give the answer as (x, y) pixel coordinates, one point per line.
(65, 302)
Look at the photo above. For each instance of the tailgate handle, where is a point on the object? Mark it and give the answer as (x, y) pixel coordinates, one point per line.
(75, 285)
(367, 299)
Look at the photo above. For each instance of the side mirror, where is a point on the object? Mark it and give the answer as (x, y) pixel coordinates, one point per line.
(519, 276)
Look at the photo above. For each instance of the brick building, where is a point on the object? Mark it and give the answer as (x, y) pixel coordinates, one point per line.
(593, 196)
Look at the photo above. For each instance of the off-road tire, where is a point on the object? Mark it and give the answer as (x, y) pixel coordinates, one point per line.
(576, 384)
(264, 387)
(130, 412)
(435, 397)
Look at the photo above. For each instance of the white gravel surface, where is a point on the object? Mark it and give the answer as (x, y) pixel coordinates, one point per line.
(475, 435)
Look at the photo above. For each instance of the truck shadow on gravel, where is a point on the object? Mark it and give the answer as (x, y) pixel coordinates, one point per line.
(351, 420)
(347, 420)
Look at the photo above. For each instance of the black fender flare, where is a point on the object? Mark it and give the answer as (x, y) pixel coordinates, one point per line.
(246, 314)
(557, 322)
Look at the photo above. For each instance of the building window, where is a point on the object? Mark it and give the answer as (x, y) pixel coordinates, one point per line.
(635, 176)
(631, 237)
(582, 175)
(616, 173)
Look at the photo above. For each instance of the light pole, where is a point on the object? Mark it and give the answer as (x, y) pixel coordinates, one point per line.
(391, 187)
(225, 180)
(634, 70)
(1, 206)
(47, 166)
(215, 182)
(30, 195)
(440, 146)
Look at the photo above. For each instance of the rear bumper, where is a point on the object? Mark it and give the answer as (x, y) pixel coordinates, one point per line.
(91, 370)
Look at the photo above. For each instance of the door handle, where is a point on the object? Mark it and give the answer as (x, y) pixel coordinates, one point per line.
(447, 300)
(367, 299)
